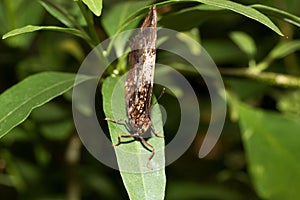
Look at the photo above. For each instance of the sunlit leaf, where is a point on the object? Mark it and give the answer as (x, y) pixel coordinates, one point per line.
(17, 102)
(235, 7)
(244, 10)
(30, 28)
(140, 182)
(244, 42)
(280, 14)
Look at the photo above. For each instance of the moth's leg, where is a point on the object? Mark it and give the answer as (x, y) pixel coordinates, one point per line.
(118, 121)
(152, 151)
(161, 94)
(155, 133)
(127, 127)
(115, 121)
(122, 136)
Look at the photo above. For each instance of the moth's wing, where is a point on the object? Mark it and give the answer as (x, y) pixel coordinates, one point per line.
(139, 82)
(137, 93)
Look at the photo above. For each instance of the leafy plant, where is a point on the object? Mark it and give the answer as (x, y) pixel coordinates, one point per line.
(255, 47)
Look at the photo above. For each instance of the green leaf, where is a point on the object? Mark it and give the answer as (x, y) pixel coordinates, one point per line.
(18, 14)
(280, 14)
(244, 42)
(283, 49)
(272, 146)
(58, 12)
(140, 182)
(17, 102)
(114, 19)
(238, 8)
(94, 5)
(244, 10)
(30, 28)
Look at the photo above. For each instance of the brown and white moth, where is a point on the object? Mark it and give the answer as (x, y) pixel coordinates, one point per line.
(139, 82)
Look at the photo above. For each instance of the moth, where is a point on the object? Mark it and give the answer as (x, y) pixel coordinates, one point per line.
(139, 83)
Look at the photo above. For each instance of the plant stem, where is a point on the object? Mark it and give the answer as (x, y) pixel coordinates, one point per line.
(270, 78)
(88, 16)
(72, 160)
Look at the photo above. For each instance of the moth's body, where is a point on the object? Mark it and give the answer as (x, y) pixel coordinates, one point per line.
(139, 82)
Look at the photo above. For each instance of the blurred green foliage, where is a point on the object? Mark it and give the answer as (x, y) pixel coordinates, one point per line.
(257, 155)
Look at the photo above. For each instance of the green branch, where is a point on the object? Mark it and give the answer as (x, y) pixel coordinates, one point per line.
(270, 78)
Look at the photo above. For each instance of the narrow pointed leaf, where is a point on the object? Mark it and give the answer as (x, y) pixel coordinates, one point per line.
(244, 10)
(140, 182)
(235, 7)
(58, 12)
(284, 48)
(17, 102)
(30, 28)
(280, 14)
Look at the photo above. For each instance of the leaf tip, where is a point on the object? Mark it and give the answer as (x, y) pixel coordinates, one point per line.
(4, 36)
